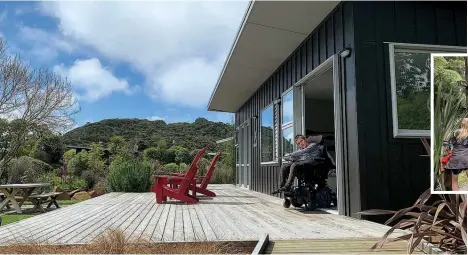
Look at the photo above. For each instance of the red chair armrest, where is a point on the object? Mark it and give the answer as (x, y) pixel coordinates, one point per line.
(161, 176)
(180, 179)
(177, 178)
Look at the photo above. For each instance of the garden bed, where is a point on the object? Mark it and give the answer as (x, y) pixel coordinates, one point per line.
(241, 247)
(116, 242)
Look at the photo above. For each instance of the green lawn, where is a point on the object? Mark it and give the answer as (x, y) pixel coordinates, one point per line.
(10, 218)
(60, 202)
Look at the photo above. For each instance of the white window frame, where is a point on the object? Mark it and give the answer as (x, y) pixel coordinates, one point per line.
(275, 135)
(411, 48)
(288, 124)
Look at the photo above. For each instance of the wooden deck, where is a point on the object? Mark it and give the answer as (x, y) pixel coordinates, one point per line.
(336, 246)
(235, 214)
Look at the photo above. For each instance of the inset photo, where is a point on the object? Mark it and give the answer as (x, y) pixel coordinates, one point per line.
(449, 117)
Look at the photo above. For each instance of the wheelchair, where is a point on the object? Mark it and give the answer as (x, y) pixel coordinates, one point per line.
(312, 190)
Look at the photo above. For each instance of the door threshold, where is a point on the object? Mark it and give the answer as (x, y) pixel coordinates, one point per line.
(329, 210)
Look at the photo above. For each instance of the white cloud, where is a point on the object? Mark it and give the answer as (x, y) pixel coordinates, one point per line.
(176, 45)
(188, 83)
(92, 81)
(153, 118)
(44, 45)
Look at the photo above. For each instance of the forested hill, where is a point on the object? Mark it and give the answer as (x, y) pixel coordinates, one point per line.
(151, 133)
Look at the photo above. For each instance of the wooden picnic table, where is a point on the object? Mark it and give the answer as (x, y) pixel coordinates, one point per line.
(10, 190)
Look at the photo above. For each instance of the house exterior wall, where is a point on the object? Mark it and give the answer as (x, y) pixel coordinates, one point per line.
(331, 36)
(382, 171)
(392, 172)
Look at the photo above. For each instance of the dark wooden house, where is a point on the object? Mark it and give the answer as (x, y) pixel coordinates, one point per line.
(358, 72)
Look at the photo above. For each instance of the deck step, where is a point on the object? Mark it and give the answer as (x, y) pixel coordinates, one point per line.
(335, 246)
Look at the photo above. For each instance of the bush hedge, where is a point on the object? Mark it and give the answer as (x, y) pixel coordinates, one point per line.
(128, 175)
(26, 170)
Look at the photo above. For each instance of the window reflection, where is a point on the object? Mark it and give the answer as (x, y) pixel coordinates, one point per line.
(288, 140)
(267, 135)
(412, 76)
(287, 106)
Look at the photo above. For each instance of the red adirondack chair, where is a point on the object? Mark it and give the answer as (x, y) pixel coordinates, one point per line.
(205, 179)
(180, 193)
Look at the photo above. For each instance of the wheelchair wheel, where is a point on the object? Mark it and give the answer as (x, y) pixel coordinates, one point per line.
(324, 197)
(311, 203)
(286, 203)
(296, 203)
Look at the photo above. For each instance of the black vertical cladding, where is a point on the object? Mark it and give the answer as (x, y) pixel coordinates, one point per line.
(382, 171)
(327, 39)
(393, 174)
(308, 56)
(304, 55)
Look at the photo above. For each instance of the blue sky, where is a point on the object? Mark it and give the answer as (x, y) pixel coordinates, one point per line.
(154, 60)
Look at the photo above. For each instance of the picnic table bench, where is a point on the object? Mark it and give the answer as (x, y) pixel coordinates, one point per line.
(40, 199)
(10, 191)
(2, 197)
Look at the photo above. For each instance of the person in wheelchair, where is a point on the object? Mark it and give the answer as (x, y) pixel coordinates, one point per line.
(309, 154)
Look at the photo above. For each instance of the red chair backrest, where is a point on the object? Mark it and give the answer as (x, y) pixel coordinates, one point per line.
(210, 171)
(190, 174)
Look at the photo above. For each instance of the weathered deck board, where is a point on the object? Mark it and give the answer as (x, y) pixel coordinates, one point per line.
(138, 221)
(189, 233)
(160, 225)
(335, 246)
(120, 220)
(39, 228)
(198, 231)
(98, 225)
(148, 224)
(235, 214)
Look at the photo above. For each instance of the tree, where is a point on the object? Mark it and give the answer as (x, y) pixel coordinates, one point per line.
(162, 144)
(68, 155)
(30, 98)
(79, 163)
(51, 145)
(96, 162)
(153, 154)
(116, 145)
(182, 156)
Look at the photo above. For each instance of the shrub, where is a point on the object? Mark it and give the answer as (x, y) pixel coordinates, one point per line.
(96, 163)
(169, 156)
(153, 153)
(76, 183)
(90, 179)
(203, 165)
(68, 155)
(182, 156)
(223, 174)
(116, 145)
(26, 169)
(50, 177)
(101, 186)
(182, 167)
(78, 164)
(171, 168)
(130, 176)
(442, 223)
(73, 183)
